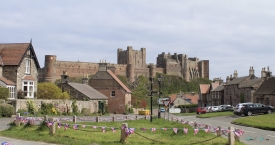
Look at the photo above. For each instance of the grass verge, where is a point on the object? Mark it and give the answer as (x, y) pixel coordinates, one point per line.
(265, 122)
(90, 135)
(185, 114)
(215, 114)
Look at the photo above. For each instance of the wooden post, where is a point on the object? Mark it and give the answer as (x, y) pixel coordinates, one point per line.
(97, 119)
(74, 118)
(231, 136)
(219, 131)
(46, 118)
(52, 128)
(126, 118)
(18, 119)
(136, 117)
(123, 132)
(145, 117)
(113, 118)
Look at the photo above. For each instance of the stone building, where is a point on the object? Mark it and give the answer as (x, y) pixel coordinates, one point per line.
(107, 83)
(242, 89)
(266, 93)
(130, 63)
(19, 69)
(217, 95)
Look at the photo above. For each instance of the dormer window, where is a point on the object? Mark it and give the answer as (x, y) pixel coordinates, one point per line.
(28, 66)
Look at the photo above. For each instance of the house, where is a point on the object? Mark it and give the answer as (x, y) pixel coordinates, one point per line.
(107, 83)
(241, 89)
(204, 93)
(19, 69)
(83, 92)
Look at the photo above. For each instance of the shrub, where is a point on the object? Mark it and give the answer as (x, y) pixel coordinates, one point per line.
(20, 94)
(47, 90)
(85, 112)
(74, 107)
(31, 107)
(6, 110)
(22, 111)
(4, 93)
(46, 108)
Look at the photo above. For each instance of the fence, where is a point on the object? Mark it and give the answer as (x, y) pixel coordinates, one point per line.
(232, 133)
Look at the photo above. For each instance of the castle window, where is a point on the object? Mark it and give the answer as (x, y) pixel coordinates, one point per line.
(28, 89)
(28, 66)
(113, 93)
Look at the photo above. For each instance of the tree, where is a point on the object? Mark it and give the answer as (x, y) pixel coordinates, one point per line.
(48, 90)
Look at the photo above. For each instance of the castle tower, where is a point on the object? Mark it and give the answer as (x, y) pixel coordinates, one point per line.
(152, 70)
(203, 67)
(49, 68)
(186, 68)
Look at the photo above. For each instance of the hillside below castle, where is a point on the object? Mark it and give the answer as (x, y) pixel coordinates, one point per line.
(130, 63)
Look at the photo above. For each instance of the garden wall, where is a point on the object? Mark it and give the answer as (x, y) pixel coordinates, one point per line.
(60, 105)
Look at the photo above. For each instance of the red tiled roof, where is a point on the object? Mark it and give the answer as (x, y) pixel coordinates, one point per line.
(118, 81)
(6, 81)
(194, 98)
(11, 54)
(204, 88)
(28, 77)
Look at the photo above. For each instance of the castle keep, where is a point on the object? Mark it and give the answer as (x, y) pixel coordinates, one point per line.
(130, 63)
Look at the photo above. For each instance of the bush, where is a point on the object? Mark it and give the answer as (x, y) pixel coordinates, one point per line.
(7, 110)
(22, 111)
(85, 112)
(48, 109)
(47, 90)
(4, 93)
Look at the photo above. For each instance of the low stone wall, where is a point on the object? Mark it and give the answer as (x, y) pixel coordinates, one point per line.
(60, 105)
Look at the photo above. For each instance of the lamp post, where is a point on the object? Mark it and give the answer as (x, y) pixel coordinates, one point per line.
(159, 79)
(151, 90)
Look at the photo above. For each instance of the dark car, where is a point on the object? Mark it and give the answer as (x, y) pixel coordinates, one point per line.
(201, 110)
(256, 108)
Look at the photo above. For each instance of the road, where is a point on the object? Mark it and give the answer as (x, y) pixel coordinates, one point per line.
(259, 136)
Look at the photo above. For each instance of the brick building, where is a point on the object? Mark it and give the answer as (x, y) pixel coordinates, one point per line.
(19, 69)
(130, 63)
(106, 82)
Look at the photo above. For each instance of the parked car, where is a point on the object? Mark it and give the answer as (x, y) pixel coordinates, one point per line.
(249, 109)
(226, 108)
(237, 109)
(162, 110)
(201, 110)
(215, 108)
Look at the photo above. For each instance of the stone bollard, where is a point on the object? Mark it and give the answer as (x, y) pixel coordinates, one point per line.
(123, 132)
(231, 135)
(18, 120)
(52, 127)
(97, 119)
(136, 117)
(219, 131)
(74, 118)
(126, 117)
(113, 118)
(46, 118)
(145, 117)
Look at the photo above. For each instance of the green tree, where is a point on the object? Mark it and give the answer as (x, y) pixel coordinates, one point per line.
(4, 93)
(48, 90)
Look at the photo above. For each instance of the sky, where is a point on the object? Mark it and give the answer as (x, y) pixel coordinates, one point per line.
(232, 35)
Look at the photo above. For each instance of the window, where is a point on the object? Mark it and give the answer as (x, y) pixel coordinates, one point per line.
(12, 92)
(113, 93)
(28, 89)
(28, 66)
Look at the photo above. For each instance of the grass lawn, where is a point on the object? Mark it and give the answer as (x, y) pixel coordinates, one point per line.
(214, 114)
(89, 135)
(266, 121)
(185, 114)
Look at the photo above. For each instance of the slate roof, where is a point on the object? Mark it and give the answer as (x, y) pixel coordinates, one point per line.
(214, 85)
(204, 88)
(267, 87)
(118, 81)
(13, 53)
(88, 91)
(237, 80)
(250, 83)
(219, 88)
(6, 81)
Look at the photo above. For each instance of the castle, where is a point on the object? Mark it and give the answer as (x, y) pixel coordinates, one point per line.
(130, 63)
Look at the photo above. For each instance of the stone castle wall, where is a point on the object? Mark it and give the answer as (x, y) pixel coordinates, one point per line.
(130, 63)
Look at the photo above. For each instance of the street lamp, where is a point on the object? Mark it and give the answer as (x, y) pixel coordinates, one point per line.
(151, 90)
(159, 79)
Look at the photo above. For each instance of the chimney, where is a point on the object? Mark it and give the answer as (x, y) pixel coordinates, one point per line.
(263, 73)
(64, 77)
(102, 66)
(251, 71)
(268, 72)
(227, 79)
(235, 74)
(85, 80)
